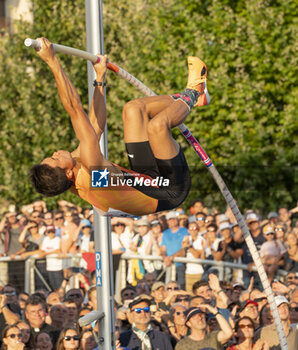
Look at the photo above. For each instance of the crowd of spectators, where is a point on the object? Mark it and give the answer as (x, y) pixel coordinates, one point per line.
(194, 311)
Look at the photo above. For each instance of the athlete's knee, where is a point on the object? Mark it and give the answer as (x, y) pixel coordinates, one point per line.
(133, 109)
(158, 126)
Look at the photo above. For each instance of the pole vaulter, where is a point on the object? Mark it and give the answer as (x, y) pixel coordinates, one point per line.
(211, 168)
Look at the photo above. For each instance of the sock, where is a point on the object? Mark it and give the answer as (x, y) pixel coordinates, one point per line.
(189, 96)
(176, 96)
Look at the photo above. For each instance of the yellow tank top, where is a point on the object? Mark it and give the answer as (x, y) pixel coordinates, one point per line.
(125, 199)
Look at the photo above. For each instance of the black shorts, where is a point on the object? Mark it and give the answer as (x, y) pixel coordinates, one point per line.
(175, 170)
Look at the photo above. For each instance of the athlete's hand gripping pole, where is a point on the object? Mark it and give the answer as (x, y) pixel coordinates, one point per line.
(210, 166)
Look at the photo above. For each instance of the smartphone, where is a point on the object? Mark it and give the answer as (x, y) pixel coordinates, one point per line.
(77, 269)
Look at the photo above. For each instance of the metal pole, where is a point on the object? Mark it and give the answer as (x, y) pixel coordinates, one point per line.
(103, 250)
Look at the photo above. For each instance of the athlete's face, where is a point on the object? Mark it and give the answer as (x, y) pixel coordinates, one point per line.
(61, 159)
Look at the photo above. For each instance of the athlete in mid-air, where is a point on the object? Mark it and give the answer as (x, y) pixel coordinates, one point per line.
(152, 151)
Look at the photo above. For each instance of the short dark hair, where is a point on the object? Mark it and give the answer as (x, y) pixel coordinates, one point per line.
(199, 284)
(49, 181)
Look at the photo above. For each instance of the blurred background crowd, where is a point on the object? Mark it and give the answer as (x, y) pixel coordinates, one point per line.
(194, 310)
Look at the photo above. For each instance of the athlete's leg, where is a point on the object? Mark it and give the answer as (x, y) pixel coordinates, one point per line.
(136, 115)
(159, 128)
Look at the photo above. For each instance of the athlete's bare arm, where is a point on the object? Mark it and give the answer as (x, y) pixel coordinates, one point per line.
(97, 113)
(90, 153)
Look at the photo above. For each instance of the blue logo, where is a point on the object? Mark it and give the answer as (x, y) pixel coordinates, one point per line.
(100, 178)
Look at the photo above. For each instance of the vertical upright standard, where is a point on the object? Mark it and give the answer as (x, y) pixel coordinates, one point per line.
(103, 250)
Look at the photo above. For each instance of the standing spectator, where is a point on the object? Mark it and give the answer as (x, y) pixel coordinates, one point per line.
(291, 256)
(272, 252)
(69, 339)
(150, 278)
(245, 330)
(197, 206)
(153, 246)
(176, 324)
(58, 222)
(171, 244)
(272, 218)
(12, 338)
(201, 221)
(141, 336)
(269, 333)
(48, 218)
(285, 216)
(27, 338)
(280, 230)
(86, 238)
(158, 293)
(253, 224)
(199, 338)
(51, 245)
(193, 248)
(72, 314)
(211, 246)
(87, 340)
(35, 313)
(76, 295)
(44, 341)
(10, 229)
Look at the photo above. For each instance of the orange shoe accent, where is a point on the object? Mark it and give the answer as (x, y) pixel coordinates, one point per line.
(197, 80)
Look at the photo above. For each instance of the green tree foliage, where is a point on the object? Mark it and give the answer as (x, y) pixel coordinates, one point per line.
(248, 130)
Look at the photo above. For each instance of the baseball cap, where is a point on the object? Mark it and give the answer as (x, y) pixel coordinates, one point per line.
(249, 302)
(280, 299)
(272, 215)
(252, 217)
(235, 285)
(268, 229)
(157, 285)
(224, 226)
(171, 215)
(139, 299)
(50, 228)
(223, 218)
(142, 222)
(85, 222)
(155, 223)
(193, 311)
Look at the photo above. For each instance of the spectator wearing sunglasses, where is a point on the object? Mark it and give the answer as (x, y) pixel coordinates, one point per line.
(272, 252)
(12, 338)
(176, 324)
(244, 335)
(141, 335)
(69, 339)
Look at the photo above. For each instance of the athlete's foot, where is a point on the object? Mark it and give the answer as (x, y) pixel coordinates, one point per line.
(197, 80)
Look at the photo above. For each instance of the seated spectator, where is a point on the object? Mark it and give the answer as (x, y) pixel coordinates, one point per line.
(87, 340)
(71, 316)
(259, 297)
(176, 323)
(265, 316)
(142, 288)
(199, 338)
(244, 334)
(228, 249)
(128, 293)
(269, 333)
(27, 337)
(12, 338)
(141, 334)
(44, 341)
(291, 255)
(76, 295)
(250, 309)
(9, 309)
(53, 298)
(293, 312)
(58, 314)
(272, 252)
(35, 313)
(69, 339)
(22, 298)
(280, 230)
(158, 293)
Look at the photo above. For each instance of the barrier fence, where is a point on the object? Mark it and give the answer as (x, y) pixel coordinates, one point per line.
(34, 269)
